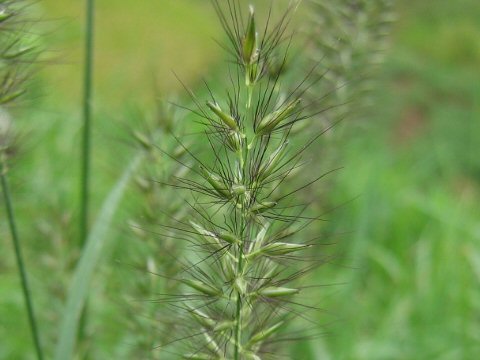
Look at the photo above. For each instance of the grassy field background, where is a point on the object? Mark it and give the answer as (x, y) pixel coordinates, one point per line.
(406, 282)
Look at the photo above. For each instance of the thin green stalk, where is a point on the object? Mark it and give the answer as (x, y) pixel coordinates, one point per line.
(21, 265)
(87, 114)
(86, 141)
(238, 311)
(233, 289)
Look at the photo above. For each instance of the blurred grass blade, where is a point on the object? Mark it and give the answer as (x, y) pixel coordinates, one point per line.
(84, 271)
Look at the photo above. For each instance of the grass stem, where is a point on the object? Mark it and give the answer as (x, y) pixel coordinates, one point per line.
(243, 158)
(21, 265)
(86, 140)
(238, 312)
(87, 114)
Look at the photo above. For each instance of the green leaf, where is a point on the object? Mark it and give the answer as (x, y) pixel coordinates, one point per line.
(91, 254)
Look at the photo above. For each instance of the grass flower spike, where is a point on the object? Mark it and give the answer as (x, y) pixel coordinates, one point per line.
(252, 49)
(239, 278)
(350, 38)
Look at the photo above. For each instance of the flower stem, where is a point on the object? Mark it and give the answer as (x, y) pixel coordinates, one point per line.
(87, 111)
(86, 140)
(238, 313)
(20, 264)
(243, 157)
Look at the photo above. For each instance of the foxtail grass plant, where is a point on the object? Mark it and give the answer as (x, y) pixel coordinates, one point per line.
(241, 278)
(17, 54)
(155, 202)
(349, 39)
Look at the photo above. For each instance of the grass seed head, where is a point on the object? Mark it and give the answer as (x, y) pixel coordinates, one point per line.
(236, 276)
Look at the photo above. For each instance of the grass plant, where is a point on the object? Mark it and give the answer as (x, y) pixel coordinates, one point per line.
(100, 236)
(240, 277)
(349, 38)
(153, 202)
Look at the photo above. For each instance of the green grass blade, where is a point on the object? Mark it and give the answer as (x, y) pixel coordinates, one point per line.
(92, 251)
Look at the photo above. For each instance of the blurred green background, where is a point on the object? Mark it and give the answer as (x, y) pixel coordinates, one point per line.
(408, 270)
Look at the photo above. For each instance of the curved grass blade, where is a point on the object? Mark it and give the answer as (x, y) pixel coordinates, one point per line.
(92, 251)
